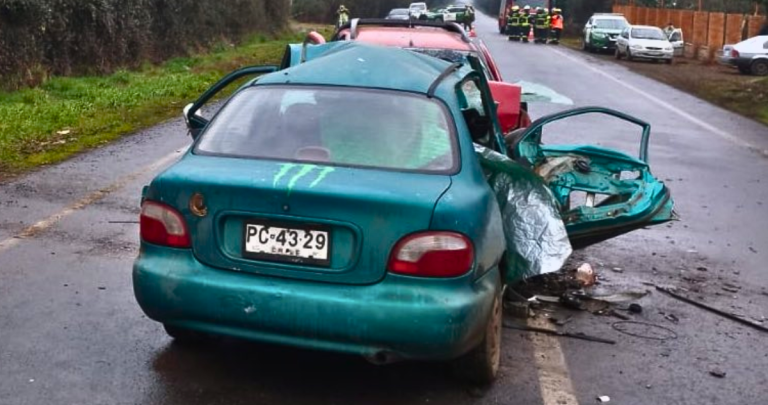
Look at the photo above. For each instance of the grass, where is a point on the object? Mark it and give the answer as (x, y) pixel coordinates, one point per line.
(67, 115)
(743, 94)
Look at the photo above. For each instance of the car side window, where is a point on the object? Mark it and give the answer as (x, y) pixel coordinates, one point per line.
(477, 114)
(765, 45)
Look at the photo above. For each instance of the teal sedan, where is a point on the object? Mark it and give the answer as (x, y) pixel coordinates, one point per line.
(335, 205)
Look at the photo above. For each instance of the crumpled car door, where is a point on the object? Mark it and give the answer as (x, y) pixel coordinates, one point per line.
(621, 193)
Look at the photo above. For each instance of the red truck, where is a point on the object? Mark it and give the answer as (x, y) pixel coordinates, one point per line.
(506, 5)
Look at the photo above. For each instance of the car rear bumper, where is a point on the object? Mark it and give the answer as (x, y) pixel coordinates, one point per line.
(399, 317)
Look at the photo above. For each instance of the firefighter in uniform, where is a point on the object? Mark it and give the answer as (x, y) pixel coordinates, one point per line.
(342, 16)
(541, 28)
(513, 23)
(557, 26)
(525, 23)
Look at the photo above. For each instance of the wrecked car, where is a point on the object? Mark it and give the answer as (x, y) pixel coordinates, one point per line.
(301, 217)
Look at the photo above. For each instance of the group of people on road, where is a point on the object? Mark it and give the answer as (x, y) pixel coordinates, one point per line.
(547, 26)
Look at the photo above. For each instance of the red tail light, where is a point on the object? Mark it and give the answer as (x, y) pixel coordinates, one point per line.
(163, 225)
(432, 254)
(734, 53)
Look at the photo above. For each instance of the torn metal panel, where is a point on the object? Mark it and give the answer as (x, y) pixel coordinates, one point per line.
(537, 241)
(601, 193)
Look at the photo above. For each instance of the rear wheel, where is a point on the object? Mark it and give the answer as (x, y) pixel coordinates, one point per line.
(481, 365)
(183, 335)
(759, 67)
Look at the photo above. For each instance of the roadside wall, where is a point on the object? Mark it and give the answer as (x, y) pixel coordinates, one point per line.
(705, 32)
(39, 38)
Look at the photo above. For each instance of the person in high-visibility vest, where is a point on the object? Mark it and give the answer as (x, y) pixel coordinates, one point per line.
(342, 15)
(541, 29)
(513, 23)
(557, 26)
(525, 23)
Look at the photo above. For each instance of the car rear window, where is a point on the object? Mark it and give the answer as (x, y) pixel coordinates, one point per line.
(331, 125)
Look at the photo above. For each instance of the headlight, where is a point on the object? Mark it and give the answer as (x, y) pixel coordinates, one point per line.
(636, 47)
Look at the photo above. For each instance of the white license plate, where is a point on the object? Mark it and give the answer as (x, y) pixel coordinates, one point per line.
(277, 242)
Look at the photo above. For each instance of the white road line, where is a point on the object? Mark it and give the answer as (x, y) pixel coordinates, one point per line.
(554, 379)
(89, 199)
(717, 131)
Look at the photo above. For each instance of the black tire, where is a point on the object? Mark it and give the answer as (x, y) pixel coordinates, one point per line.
(184, 336)
(481, 365)
(629, 56)
(670, 61)
(617, 54)
(584, 46)
(744, 70)
(759, 67)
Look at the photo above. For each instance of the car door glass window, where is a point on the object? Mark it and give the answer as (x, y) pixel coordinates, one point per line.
(476, 113)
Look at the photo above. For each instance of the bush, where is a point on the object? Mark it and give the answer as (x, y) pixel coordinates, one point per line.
(63, 37)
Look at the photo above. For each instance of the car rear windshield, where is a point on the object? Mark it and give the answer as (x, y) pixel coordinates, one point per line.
(648, 33)
(332, 125)
(610, 23)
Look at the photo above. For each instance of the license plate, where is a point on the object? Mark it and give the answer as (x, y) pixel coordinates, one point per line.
(287, 243)
(655, 53)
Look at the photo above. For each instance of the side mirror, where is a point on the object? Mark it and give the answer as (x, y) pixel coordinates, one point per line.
(508, 98)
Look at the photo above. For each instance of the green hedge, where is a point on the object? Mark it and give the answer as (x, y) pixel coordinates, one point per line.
(63, 37)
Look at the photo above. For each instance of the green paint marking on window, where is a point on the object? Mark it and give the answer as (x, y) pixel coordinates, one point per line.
(326, 171)
(284, 169)
(305, 169)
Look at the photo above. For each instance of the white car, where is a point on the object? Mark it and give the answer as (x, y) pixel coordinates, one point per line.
(644, 42)
(750, 56)
(452, 13)
(417, 9)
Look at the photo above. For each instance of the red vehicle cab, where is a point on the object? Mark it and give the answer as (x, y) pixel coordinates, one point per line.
(446, 41)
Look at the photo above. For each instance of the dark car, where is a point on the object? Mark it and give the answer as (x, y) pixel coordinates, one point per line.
(399, 14)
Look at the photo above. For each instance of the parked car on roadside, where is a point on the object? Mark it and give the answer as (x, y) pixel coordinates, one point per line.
(677, 40)
(644, 42)
(417, 10)
(602, 31)
(750, 56)
(399, 14)
(301, 217)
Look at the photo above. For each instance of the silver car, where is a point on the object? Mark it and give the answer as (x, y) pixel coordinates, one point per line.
(644, 42)
(750, 56)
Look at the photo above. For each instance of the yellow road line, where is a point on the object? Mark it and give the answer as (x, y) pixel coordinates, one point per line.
(554, 379)
(47, 223)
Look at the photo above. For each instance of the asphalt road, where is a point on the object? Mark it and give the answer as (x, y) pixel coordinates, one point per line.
(71, 332)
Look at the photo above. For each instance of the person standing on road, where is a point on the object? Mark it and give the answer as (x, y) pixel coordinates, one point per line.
(525, 23)
(541, 28)
(469, 18)
(342, 16)
(513, 23)
(669, 29)
(557, 26)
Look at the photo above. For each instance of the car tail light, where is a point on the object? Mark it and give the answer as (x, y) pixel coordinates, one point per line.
(734, 53)
(163, 225)
(432, 254)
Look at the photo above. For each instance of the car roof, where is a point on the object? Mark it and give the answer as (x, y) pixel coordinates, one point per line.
(608, 17)
(646, 27)
(363, 65)
(415, 37)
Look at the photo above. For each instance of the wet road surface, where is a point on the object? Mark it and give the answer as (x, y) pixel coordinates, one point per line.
(72, 333)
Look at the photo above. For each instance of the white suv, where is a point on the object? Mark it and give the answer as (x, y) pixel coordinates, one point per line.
(417, 9)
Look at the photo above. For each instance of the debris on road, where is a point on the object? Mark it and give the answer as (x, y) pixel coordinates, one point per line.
(619, 315)
(635, 308)
(604, 398)
(717, 372)
(644, 330)
(712, 309)
(619, 297)
(579, 335)
(586, 275)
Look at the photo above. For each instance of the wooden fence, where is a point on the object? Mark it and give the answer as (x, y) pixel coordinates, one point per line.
(705, 32)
